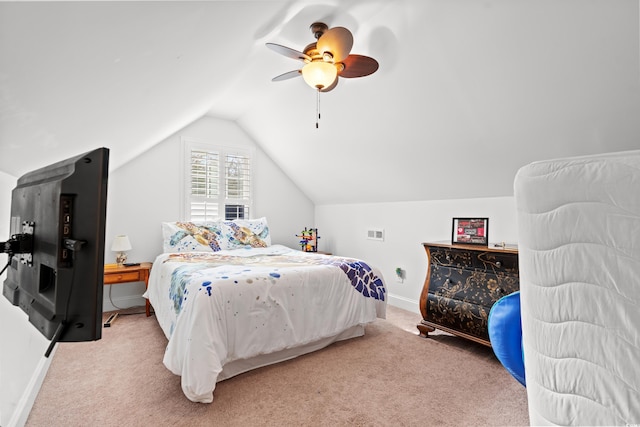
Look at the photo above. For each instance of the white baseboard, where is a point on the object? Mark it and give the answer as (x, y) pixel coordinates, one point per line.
(404, 303)
(23, 408)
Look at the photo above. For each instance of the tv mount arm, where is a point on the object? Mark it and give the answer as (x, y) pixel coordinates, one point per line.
(21, 244)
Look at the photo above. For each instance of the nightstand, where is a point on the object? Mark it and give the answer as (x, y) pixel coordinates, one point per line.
(135, 273)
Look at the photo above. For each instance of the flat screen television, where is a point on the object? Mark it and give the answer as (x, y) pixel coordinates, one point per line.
(56, 247)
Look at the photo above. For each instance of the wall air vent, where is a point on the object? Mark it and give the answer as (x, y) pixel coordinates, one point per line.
(375, 234)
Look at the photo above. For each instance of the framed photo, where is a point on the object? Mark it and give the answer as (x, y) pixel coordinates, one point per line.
(470, 231)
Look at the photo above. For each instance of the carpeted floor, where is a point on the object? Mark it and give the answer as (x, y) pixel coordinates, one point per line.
(391, 376)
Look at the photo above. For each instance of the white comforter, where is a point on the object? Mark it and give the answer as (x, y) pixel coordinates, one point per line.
(216, 308)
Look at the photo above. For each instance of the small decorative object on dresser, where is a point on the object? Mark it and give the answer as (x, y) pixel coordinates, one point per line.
(463, 282)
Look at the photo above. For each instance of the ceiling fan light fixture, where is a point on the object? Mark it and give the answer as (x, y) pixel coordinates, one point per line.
(319, 74)
(326, 60)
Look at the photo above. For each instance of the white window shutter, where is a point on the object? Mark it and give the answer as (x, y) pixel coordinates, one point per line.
(218, 182)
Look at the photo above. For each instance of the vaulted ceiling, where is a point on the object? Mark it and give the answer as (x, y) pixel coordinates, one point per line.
(467, 92)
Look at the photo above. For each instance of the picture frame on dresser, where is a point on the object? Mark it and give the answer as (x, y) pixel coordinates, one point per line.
(470, 231)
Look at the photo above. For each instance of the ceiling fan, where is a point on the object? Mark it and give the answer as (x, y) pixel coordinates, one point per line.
(327, 59)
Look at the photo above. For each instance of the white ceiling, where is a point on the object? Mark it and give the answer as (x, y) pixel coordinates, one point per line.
(467, 92)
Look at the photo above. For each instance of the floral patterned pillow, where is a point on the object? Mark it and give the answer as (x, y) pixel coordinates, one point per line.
(242, 233)
(213, 236)
(191, 236)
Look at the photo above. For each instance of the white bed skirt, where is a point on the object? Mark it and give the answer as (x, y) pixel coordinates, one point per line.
(241, 366)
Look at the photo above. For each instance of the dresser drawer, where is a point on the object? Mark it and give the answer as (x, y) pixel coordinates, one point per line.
(496, 262)
(126, 276)
(459, 315)
(472, 286)
(451, 258)
(482, 260)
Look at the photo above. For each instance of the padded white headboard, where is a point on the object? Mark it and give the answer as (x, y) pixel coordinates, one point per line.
(579, 255)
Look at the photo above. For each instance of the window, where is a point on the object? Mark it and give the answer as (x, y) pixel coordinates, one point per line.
(218, 182)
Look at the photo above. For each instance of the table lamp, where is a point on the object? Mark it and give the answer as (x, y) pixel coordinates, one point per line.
(121, 245)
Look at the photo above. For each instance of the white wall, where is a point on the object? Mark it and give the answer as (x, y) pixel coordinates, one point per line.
(22, 362)
(343, 231)
(146, 191)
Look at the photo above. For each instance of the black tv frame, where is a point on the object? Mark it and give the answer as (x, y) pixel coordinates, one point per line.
(55, 270)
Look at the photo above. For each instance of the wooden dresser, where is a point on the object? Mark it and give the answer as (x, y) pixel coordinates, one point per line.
(463, 282)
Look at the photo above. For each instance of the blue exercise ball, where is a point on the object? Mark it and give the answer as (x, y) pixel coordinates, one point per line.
(505, 333)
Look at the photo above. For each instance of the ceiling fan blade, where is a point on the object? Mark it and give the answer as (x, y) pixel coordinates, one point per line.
(338, 41)
(287, 76)
(287, 51)
(358, 66)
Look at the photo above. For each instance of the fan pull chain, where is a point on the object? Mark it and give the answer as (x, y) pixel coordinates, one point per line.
(317, 107)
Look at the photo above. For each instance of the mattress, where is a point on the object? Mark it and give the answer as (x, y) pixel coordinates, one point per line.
(579, 253)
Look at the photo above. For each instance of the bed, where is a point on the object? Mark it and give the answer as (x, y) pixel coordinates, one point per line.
(579, 253)
(229, 301)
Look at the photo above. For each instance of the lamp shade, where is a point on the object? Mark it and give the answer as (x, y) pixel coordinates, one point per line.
(121, 243)
(319, 74)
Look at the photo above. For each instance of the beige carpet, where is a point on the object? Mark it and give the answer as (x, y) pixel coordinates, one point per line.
(391, 376)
